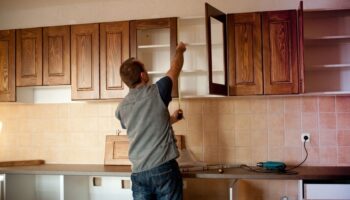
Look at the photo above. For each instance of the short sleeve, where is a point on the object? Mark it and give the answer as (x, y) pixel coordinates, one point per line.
(165, 86)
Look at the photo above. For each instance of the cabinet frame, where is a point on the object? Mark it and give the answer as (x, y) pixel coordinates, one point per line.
(160, 23)
(29, 57)
(7, 65)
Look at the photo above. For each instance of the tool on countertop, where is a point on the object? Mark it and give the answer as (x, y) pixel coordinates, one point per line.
(272, 165)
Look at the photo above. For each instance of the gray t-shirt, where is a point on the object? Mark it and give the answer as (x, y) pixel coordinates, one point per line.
(147, 120)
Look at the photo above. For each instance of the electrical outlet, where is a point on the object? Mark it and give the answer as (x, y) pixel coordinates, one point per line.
(305, 135)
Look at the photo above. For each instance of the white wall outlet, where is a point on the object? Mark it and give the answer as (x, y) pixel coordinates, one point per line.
(307, 135)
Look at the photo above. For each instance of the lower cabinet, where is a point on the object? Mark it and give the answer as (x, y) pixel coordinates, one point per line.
(326, 190)
(64, 187)
(33, 187)
(2, 186)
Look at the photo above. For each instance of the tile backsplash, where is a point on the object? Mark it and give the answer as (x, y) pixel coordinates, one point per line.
(233, 130)
(217, 130)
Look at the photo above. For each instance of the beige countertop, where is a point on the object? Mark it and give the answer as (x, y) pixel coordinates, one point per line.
(305, 173)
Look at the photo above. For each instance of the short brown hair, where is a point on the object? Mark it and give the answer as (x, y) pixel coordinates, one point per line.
(130, 72)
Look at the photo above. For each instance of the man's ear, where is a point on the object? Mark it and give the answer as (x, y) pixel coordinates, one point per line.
(143, 76)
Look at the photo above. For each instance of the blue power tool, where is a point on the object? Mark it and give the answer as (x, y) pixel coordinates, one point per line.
(272, 165)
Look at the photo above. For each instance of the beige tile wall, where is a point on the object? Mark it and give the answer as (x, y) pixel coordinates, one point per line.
(217, 130)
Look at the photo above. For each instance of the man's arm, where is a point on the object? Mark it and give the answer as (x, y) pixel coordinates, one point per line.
(176, 63)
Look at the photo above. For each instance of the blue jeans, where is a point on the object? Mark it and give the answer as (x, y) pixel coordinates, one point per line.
(160, 183)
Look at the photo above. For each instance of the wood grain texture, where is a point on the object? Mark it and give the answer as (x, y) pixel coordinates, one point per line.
(85, 61)
(7, 66)
(21, 163)
(301, 47)
(117, 146)
(211, 12)
(56, 55)
(29, 57)
(114, 49)
(170, 23)
(245, 55)
(280, 50)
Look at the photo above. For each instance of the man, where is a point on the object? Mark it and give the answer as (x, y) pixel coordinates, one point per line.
(144, 113)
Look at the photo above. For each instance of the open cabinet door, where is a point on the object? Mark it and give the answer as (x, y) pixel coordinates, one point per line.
(301, 47)
(217, 51)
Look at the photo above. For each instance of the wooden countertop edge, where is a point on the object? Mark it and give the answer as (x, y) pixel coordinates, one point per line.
(304, 173)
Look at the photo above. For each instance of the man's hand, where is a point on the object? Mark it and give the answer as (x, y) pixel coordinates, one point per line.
(181, 47)
(176, 116)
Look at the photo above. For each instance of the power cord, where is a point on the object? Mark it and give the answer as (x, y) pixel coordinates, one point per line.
(285, 171)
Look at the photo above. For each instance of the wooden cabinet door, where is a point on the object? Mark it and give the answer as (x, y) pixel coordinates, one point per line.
(170, 23)
(301, 47)
(29, 57)
(217, 62)
(56, 55)
(114, 49)
(245, 55)
(280, 49)
(7, 66)
(85, 61)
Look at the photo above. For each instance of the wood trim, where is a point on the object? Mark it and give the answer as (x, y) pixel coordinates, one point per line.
(301, 47)
(29, 57)
(210, 11)
(56, 55)
(280, 59)
(245, 56)
(85, 61)
(114, 49)
(7, 66)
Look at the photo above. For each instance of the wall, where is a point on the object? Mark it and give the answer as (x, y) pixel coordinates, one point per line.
(233, 130)
(39, 13)
(230, 130)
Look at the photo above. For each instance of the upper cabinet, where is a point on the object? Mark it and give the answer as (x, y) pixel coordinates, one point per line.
(262, 52)
(7, 66)
(29, 57)
(326, 51)
(85, 61)
(154, 42)
(97, 51)
(43, 56)
(56, 55)
(114, 49)
(280, 52)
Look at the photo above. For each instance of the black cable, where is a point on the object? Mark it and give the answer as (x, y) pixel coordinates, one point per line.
(285, 171)
(307, 154)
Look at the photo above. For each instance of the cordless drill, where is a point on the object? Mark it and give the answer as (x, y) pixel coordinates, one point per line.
(272, 165)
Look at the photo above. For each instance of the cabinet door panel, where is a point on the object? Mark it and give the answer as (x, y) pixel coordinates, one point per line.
(280, 52)
(114, 49)
(56, 52)
(245, 57)
(214, 15)
(7, 66)
(301, 46)
(29, 57)
(85, 61)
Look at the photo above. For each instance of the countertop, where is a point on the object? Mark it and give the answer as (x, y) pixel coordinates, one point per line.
(304, 173)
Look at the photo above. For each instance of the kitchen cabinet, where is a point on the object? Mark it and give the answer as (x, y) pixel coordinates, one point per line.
(114, 49)
(326, 50)
(97, 51)
(29, 57)
(56, 55)
(33, 187)
(7, 66)
(85, 61)
(153, 41)
(97, 187)
(194, 77)
(262, 52)
(324, 189)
